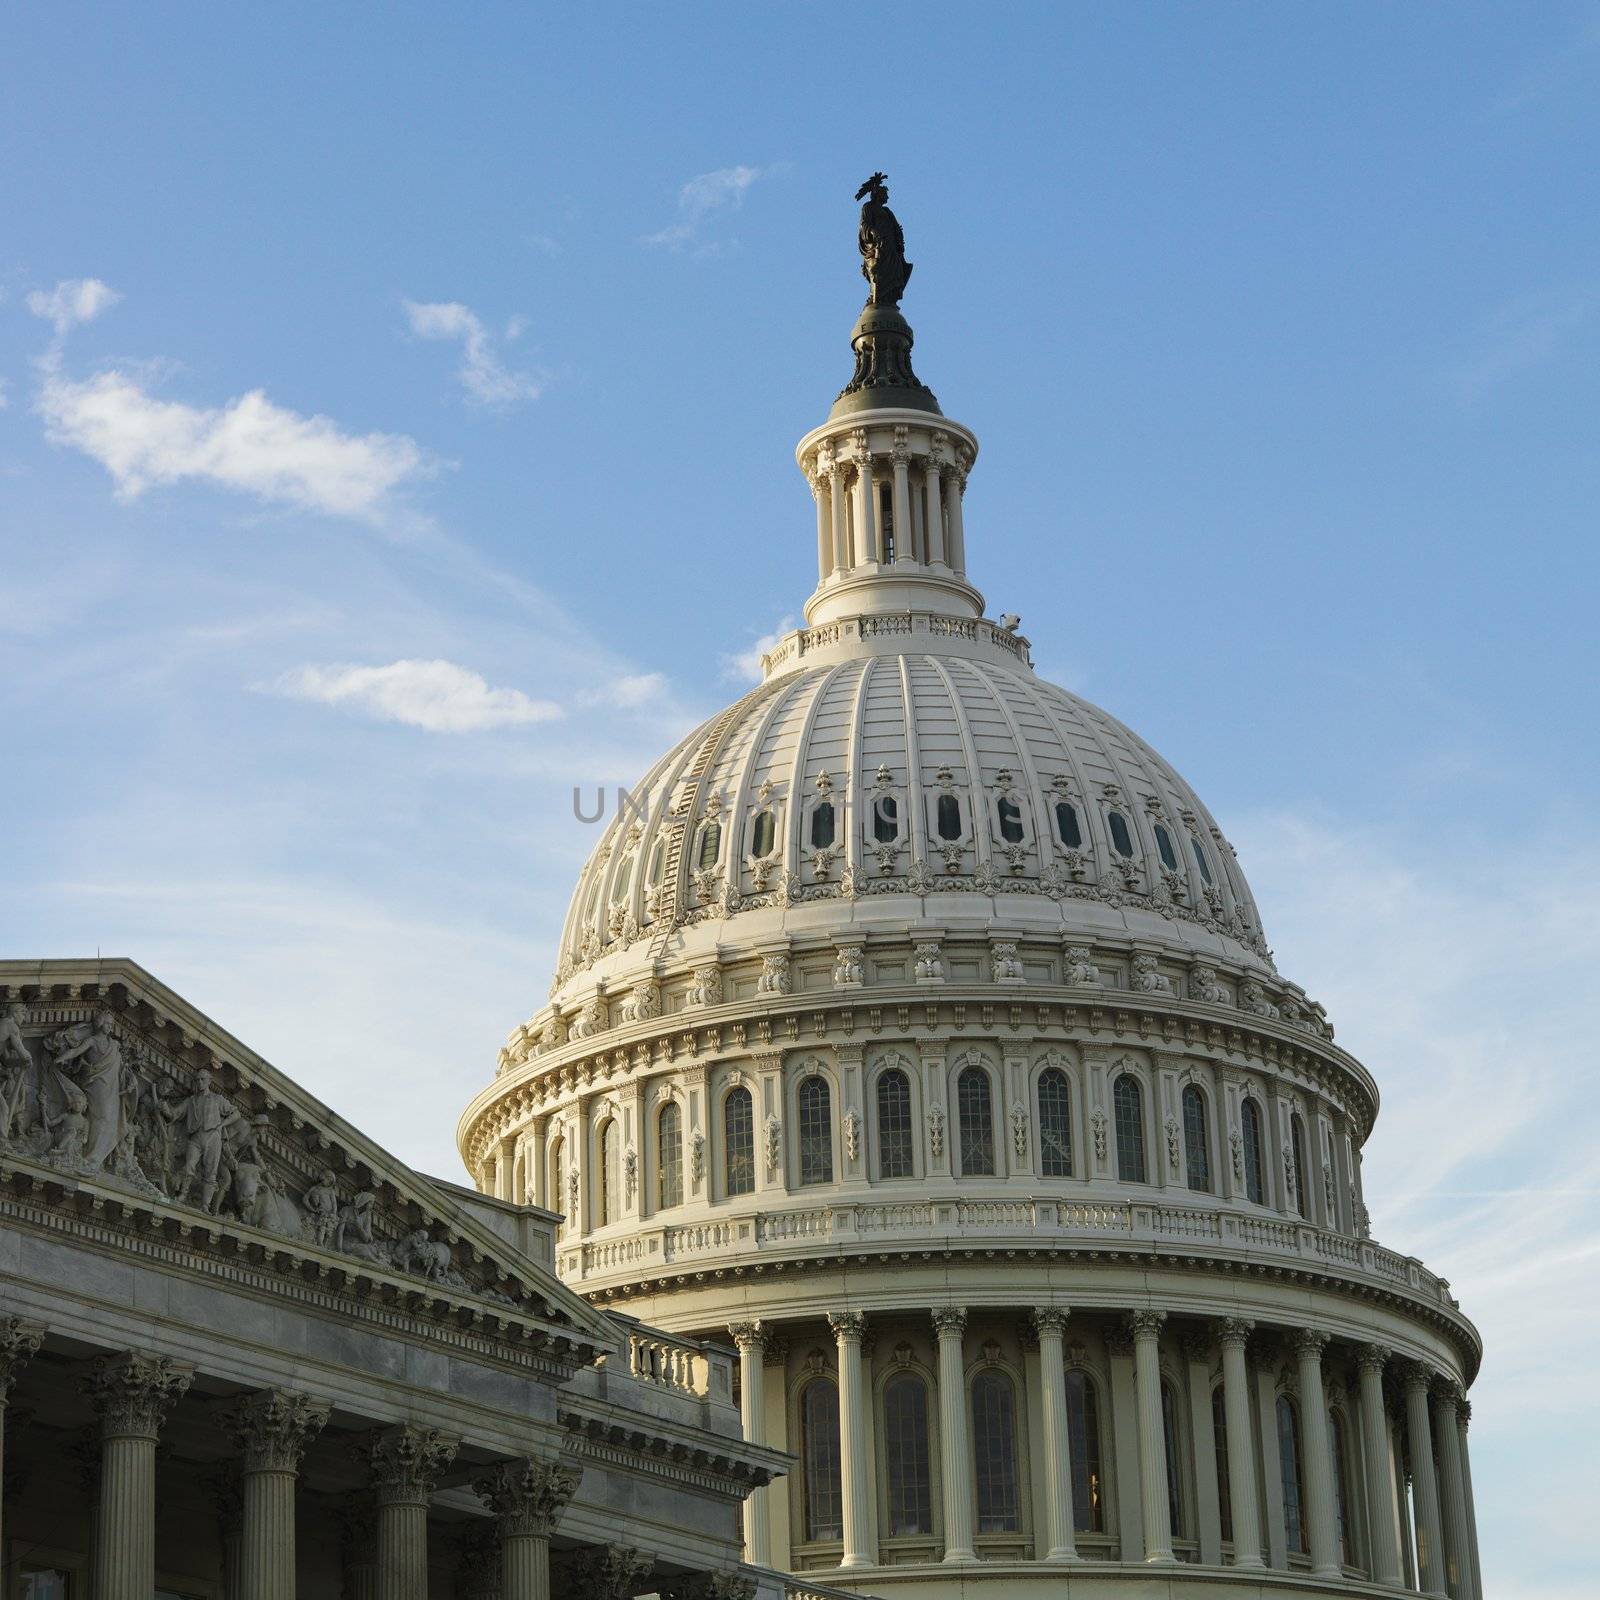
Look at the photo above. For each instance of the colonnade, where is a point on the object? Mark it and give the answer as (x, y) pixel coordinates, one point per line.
(1434, 1551)
(924, 524)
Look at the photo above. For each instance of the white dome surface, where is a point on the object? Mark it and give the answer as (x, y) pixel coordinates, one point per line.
(1044, 783)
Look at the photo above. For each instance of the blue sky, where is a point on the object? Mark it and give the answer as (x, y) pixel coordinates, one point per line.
(399, 406)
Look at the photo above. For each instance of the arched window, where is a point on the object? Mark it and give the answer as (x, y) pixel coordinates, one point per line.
(1169, 1434)
(1219, 1432)
(669, 1155)
(1255, 1168)
(1128, 1105)
(763, 834)
(1169, 856)
(658, 860)
(1200, 860)
(885, 819)
(619, 885)
(1289, 1475)
(1071, 835)
(975, 1105)
(710, 846)
(738, 1142)
(558, 1182)
(1010, 814)
(610, 1172)
(994, 1445)
(895, 1154)
(1297, 1147)
(1337, 1438)
(816, 1130)
(905, 1441)
(1083, 1437)
(819, 1451)
(1121, 839)
(1196, 1146)
(1055, 1124)
(822, 825)
(947, 817)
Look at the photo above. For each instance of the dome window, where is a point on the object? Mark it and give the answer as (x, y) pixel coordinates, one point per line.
(658, 861)
(1120, 837)
(885, 818)
(669, 1156)
(1010, 814)
(947, 817)
(1055, 1124)
(819, 1450)
(975, 1105)
(895, 1152)
(1083, 1437)
(763, 834)
(822, 825)
(710, 846)
(1200, 859)
(1128, 1106)
(1169, 856)
(1255, 1185)
(910, 1482)
(739, 1142)
(1196, 1145)
(815, 1103)
(994, 1438)
(619, 889)
(1067, 828)
(1297, 1147)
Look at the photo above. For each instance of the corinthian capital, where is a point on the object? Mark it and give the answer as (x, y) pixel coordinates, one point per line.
(405, 1462)
(18, 1342)
(1373, 1357)
(132, 1393)
(949, 1321)
(1146, 1324)
(749, 1335)
(1309, 1343)
(273, 1428)
(529, 1496)
(847, 1324)
(1050, 1319)
(1446, 1391)
(611, 1572)
(1234, 1330)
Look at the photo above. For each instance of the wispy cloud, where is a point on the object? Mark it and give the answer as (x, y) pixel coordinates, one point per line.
(437, 696)
(699, 199)
(485, 377)
(1528, 332)
(744, 666)
(71, 302)
(249, 445)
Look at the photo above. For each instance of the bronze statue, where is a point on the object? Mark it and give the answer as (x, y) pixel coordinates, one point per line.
(883, 245)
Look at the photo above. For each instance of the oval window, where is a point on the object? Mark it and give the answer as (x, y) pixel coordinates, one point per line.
(1010, 821)
(710, 845)
(1067, 824)
(1169, 856)
(822, 825)
(763, 834)
(949, 817)
(619, 889)
(658, 859)
(1119, 833)
(886, 819)
(1200, 859)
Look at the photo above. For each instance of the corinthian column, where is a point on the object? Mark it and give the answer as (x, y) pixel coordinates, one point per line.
(1381, 1529)
(933, 518)
(949, 1322)
(132, 1394)
(272, 1429)
(751, 1339)
(1424, 1484)
(819, 493)
(1321, 1514)
(405, 1462)
(18, 1342)
(1050, 1322)
(848, 1327)
(1452, 1490)
(1145, 1326)
(837, 510)
(528, 1498)
(1463, 1417)
(1234, 1334)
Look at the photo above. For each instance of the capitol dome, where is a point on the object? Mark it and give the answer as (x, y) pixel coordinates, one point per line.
(914, 1027)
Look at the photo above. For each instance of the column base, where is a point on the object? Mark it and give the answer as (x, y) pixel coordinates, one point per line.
(853, 1561)
(959, 1555)
(1161, 1558)
(1062, 1555)
(1254, 1564)
(1329, 1574)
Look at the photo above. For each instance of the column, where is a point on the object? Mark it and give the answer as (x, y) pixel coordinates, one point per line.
(272, 1430)
(18, 1342)
(1424, 1484)
(358, 1547)
(132, 1394)
(1266, 1355)
(838, 510)
(819, 493)
(949, 1322)
(1463, 1417)
(905, 548)
(405, 1463)
(84, 1452)
(1381, 1527)
(1233, 1334)
(528, 1498)
(1145, 1326)
(751, 1338)
(958, 535)
(1317, 1449)
(1051, 1324)
(1452, 1491)
(854, 1487)
(933, 518)
(1125, 1442)
(868, 547)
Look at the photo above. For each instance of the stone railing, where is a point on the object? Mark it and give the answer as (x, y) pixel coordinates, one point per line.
(956, 1222)
(679, 1366)
(902, 624)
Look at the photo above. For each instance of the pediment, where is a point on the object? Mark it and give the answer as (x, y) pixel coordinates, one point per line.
(111, 1083)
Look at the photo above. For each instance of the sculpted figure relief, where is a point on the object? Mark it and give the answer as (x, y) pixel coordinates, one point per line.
(882, 244)
(16, 1066)
(203, 1119)
(1147, 977)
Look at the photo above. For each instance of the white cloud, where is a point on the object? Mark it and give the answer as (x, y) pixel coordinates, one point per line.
(72, 301)
(744, 666)
(438, 696)
(483, 375)
(249, 445)
(723, 189)
(633, 691)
